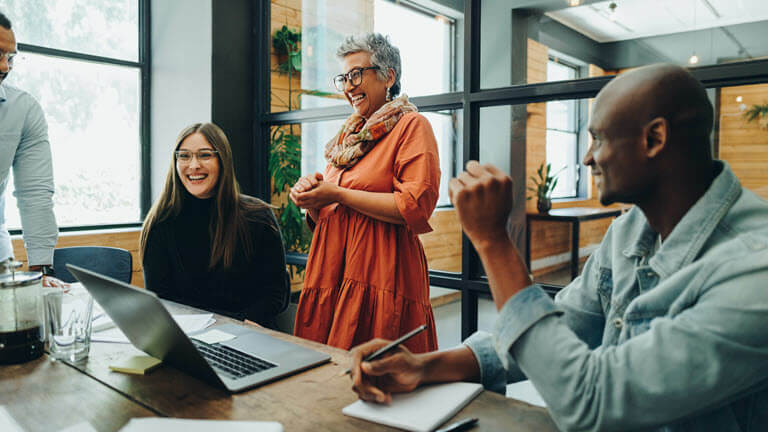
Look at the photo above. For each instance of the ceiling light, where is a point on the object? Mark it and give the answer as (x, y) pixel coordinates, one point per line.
(739, 99)
(574, 2)
(694, 59)
(612, 11)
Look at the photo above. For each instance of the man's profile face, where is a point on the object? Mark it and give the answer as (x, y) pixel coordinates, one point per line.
(615, 154)
(7, 46)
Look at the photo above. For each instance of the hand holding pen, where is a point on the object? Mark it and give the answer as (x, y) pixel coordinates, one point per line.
(375, 379)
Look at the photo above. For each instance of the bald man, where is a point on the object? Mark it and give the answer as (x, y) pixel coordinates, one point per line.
(667, 327)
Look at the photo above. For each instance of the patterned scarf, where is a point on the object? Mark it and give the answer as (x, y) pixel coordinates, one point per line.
(358, 136)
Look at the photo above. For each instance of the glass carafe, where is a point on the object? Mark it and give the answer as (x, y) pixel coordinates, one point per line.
(22, 333)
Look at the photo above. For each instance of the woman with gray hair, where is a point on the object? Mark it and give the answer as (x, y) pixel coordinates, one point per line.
(367, 273)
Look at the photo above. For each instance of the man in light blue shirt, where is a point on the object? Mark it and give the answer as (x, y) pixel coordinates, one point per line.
(667, 327)
(24, 148)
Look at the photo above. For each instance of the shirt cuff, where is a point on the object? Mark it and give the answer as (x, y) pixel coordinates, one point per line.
(409, 209)
(40, 256)
(493, 376)
(519, 314)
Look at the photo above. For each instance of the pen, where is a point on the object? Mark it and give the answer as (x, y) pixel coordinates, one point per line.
(459, 425)
(392, 345)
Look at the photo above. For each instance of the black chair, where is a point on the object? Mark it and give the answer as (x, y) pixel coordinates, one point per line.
(113, 262)
(284, 320)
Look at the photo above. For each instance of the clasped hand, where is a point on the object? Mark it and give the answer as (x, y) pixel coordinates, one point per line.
(311, 192)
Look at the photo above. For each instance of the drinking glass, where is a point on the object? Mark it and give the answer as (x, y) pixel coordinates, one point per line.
(68, 323)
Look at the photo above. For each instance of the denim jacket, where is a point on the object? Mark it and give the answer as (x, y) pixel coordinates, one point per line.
(673, 341)
(24, 147)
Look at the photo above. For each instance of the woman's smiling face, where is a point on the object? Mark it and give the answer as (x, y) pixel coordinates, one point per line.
(371, 93)
(198, 177)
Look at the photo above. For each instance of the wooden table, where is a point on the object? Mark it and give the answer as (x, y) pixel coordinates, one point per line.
(308, 401)
(573, 215)
(47, 395)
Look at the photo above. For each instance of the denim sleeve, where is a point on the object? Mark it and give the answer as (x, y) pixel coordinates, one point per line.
(580, 300)
(583, 312)
(493, 375)
(33, 180)
(695, 360)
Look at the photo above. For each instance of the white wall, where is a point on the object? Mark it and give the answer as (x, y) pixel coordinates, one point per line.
(495, 71)
(181, 76)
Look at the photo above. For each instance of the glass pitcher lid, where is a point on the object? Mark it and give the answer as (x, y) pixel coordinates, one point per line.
(18, 279)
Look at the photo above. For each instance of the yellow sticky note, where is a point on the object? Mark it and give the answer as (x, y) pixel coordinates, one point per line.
(138, 365)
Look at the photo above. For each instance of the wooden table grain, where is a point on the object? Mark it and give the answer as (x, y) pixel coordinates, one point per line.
(47, 395)
(309, 401)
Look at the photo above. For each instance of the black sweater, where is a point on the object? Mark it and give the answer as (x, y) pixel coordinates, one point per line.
(176, 265)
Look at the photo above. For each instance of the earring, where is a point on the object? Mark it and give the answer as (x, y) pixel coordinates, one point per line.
(389, 94)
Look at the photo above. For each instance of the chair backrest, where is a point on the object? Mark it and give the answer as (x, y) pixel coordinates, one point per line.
(284, 320)
(113, 262)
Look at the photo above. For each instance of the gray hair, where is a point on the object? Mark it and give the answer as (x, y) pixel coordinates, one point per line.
(383, 54)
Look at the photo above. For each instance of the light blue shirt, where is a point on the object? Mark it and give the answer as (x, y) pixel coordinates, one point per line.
(676, 341)
(24, 147)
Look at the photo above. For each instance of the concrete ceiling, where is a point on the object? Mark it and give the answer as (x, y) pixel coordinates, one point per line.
(634, 19)
(716, 31)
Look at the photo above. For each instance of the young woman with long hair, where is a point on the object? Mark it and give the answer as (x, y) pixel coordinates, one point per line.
(207, 245)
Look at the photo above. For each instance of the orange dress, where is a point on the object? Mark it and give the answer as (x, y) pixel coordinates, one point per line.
(367, 278)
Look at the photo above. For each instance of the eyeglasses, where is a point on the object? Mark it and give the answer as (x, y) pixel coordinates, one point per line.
(9, 56)
(355, 77)
(185, 156)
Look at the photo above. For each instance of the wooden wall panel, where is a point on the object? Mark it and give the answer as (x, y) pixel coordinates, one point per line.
(124, 239)
(442, 246)
(744, 145)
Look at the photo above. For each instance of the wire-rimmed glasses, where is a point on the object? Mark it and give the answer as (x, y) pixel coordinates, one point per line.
(184, 157)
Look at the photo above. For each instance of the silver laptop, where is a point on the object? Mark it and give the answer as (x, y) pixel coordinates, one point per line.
(248, 360)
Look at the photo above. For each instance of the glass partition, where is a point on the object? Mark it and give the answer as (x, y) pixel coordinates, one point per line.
(305, 35)
(612, 36)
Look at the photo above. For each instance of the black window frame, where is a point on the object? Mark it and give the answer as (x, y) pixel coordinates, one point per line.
(470, 281)
(143, 64)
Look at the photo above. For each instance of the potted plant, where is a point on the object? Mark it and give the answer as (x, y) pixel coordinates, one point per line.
(544, 184)
(759, 113)
(285, 150)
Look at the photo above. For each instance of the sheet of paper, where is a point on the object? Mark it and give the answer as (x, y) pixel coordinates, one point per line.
(7, 423)
(188, 324)
(213, 336)
(422, 410)
(526, 392)
(155, 424)
(80, 427)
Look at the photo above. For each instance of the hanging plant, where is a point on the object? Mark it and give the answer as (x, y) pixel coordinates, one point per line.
(286, 43)
(758, 113)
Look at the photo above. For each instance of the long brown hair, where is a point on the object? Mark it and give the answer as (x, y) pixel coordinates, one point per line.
(229, 225)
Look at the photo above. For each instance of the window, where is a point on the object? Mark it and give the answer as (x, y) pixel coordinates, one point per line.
(501, 91)
(81, 60)
(562, 119)
(301, 74)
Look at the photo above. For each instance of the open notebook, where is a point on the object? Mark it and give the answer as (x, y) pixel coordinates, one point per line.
(422, 410)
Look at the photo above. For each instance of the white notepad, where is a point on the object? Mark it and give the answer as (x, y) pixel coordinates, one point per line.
(422, 410)
(157, 424)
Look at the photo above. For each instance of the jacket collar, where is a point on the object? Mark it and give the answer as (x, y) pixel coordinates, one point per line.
(2, 93)
(689, 235)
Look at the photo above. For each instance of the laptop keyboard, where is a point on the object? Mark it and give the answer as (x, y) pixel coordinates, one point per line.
(232, 363)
